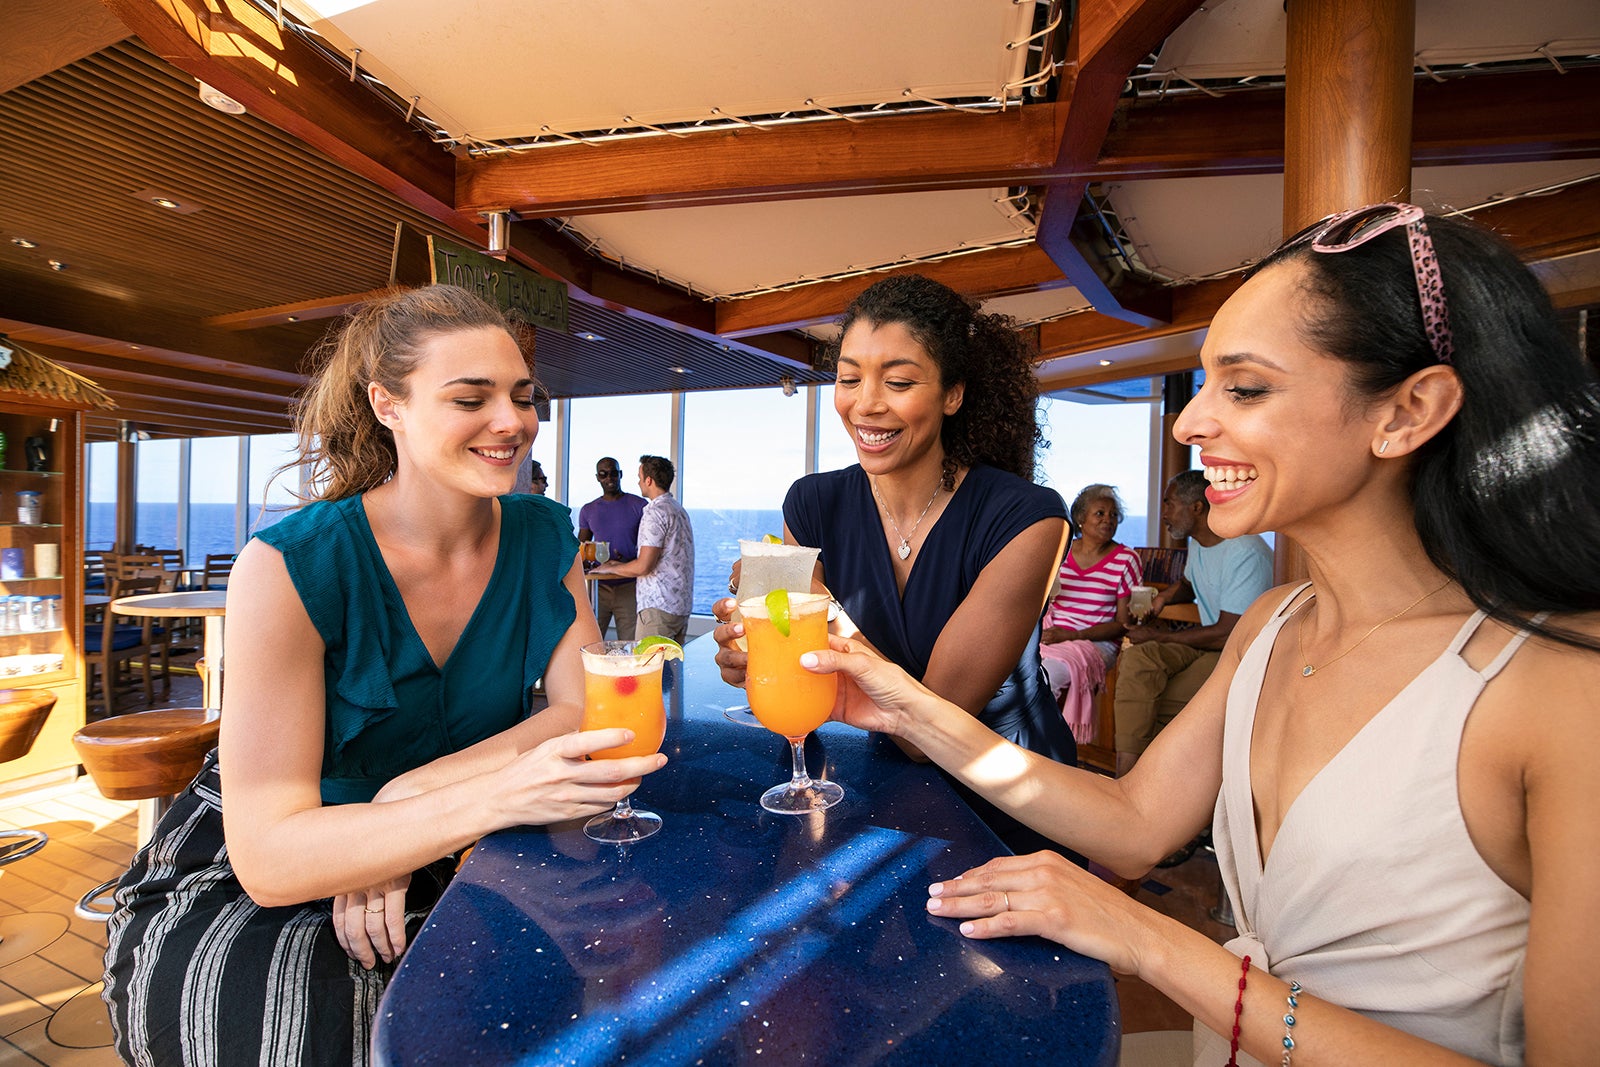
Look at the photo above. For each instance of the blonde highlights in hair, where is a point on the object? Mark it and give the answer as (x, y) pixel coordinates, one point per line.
(343, 447)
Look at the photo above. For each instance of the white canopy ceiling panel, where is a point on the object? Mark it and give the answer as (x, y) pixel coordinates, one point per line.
(1245, 38)
(736, 248)
(1241, 217)
(1038, 306)
(1188, 228)
(586, 65)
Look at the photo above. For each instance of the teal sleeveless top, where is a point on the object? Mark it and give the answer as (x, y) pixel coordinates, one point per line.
(390, 707)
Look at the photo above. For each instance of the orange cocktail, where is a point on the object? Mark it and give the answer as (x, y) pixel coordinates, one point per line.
(622, 688)
(613, 695)
(787, 698)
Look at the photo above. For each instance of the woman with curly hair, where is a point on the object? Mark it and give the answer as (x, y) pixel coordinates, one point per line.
(937, 544)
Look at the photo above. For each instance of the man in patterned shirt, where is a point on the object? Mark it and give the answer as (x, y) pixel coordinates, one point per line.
(665, 567)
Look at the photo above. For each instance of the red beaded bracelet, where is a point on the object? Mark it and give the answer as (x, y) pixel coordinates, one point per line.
(1238, 1010)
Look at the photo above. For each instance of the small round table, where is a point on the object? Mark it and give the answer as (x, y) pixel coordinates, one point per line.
(211, 604)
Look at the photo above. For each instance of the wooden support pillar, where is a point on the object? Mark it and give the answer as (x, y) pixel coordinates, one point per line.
(1176, 392)
(1347, 135)
(127, 493)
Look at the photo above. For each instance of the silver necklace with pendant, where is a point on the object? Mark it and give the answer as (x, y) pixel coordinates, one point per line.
(904, 551)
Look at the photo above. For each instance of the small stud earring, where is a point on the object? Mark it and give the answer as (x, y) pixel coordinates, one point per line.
(1383, 448)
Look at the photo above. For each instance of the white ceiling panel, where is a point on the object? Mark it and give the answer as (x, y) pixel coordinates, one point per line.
(1245, 38)
(1191, 227)
(1039, 306)
(735, 248)
(492, 69)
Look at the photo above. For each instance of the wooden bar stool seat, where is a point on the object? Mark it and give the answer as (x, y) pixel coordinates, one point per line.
(22, 715)
(147, 756)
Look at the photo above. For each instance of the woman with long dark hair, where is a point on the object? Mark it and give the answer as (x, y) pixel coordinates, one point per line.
(1398, 753)
(937, 544)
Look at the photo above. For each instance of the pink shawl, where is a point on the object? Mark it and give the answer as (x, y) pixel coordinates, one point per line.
(1088, 678)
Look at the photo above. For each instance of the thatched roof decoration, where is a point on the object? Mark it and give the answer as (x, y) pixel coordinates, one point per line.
(34, 375)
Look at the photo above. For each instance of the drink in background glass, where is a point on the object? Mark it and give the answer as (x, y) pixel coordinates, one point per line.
(586, 552)
(623, 688)
(763, 567)
(788, 699)
(1139, 602)
(602, 551)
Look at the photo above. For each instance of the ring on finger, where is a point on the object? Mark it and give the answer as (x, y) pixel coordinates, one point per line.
(733, 588)
(373, 911)
(1007, 897)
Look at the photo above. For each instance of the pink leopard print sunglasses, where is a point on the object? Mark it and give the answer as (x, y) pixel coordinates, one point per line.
(1351, 229)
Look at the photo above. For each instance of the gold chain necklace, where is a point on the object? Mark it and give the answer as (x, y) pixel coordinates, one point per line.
(1300, 631)
(904, 551)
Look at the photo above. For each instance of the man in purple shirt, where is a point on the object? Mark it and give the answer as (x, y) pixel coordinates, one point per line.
(613, 517)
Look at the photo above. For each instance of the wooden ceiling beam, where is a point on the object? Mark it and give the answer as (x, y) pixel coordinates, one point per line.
(82, 311)
(144, 413)
(108, 369)
(305, 311)
(998, 272)
(42, 36)
(1563, 223)
(284, 81)
(1108, 38)
(882, 154)
(118, 372)
(239, 50)
(1530, 116)
(1193, 306)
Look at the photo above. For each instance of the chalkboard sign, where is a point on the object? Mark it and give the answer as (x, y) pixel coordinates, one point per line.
(538, 300)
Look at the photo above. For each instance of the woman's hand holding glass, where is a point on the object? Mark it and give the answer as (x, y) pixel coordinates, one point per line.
(556, 780)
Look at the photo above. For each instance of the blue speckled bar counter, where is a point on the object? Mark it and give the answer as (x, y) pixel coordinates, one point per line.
(738, 937)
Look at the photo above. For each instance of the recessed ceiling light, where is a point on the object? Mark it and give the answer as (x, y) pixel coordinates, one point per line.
(589, 335)
(294, 318)
(137, 348)
(680, 370)
(164, 198)
(56, 264)
(1105, 363)
(23, 242)
(221, 101)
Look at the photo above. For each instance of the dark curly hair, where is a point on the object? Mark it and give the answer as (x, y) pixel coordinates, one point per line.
(998, 421)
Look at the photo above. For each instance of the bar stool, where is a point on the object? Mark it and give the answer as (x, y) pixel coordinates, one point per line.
(22, 715)
(149, 756)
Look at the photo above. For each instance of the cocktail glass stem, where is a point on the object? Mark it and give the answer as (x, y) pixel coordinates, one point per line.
(801, 779)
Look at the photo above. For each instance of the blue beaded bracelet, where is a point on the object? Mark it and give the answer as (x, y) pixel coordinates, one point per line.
(1288, 1023)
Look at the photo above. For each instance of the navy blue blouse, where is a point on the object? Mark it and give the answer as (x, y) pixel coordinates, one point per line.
(835, 511)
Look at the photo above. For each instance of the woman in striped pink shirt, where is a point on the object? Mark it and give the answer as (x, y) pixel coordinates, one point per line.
(1085, 622)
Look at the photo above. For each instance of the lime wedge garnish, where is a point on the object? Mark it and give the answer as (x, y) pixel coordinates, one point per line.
(778, 610)
(771, 539)
(670, 649)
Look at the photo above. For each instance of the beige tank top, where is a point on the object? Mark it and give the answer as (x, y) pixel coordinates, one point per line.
(1373, 896)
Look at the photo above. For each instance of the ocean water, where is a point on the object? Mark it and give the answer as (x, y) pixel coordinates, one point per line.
(716, 535)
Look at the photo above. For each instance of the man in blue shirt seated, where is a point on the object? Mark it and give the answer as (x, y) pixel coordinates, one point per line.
(1162, 669)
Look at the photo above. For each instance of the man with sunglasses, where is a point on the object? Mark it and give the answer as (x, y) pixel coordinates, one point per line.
(613, 517)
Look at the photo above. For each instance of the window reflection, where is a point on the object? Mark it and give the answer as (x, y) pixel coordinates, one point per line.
(1107, 443)
(213, 498)
(742, 449)
(156, 491)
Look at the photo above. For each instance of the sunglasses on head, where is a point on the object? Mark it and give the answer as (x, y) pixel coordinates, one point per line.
(1352, 229)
